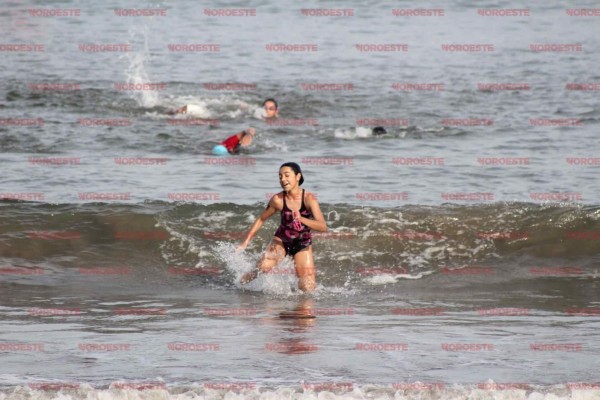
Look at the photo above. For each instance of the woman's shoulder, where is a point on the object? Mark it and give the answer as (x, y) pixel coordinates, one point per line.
(309, 197)
(277, 198)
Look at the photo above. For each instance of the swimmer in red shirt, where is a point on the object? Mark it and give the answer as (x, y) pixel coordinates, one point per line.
(233, 143)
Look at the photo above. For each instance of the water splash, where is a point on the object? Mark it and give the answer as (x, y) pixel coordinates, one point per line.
(136, 72)
(260, 113)
(281, 281)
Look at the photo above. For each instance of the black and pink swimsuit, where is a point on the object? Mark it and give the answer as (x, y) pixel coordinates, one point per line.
(293, 240)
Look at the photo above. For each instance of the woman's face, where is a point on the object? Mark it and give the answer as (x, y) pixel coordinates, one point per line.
(288, 179)
(270, 110)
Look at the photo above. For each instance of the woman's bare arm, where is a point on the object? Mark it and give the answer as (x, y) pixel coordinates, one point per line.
(318, 223)
(266, 214)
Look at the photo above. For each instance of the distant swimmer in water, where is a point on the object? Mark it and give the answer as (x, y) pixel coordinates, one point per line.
(379, 130)
(233, 143)
(271, 108)
(300, 212)
(180, 110)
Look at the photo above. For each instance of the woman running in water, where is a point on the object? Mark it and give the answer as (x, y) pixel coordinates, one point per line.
(300, 212)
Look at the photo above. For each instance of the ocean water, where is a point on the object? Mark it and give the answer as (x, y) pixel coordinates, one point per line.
(461, 260)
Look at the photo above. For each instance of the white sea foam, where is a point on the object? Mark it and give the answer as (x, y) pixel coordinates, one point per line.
(358, 132)
(304, 391)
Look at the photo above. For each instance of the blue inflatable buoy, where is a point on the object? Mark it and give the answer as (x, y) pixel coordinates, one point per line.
(220, 150)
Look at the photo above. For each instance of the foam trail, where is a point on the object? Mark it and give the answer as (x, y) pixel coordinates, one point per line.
(358, 132)
(259, 113)
(198, 110)
(199, 106)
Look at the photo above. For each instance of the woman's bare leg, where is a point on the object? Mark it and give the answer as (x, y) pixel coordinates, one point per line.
(305, 269)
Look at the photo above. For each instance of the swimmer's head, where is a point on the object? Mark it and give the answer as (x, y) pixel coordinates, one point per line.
(271, 108)
(290, 175)
(379, 130)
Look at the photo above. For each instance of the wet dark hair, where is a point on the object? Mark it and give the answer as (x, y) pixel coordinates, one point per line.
(296, 168)
(271, 100)
(379, 130)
